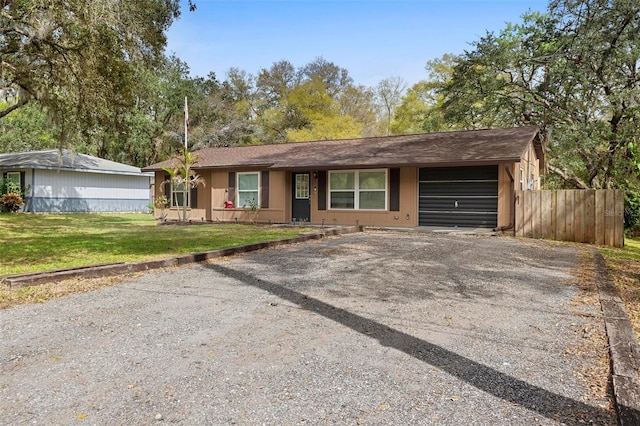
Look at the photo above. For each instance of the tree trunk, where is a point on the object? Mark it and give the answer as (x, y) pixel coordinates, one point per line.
(185, 191)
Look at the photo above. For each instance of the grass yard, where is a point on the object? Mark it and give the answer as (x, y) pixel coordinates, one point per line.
(624, 267)
(31, 243)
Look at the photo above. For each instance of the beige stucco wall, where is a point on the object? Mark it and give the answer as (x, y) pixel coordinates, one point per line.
(505, 194)
(199, 214)
(212, 197)
(530, 165)
(407, 216)
(278, 196)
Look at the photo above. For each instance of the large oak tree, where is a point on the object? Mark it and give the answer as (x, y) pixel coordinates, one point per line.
(80, 59)
(575, 71)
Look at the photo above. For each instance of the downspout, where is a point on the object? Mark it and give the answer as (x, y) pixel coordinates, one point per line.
(512, 204)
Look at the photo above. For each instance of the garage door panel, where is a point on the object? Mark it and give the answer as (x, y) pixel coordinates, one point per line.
(458, 196)
(459, 173)
(463, 204)
(462, 188)
(459, 220)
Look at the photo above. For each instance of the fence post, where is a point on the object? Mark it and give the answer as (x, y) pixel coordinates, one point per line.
(519, 213)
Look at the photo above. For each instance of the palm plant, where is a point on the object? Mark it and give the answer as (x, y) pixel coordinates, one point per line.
(182, 175)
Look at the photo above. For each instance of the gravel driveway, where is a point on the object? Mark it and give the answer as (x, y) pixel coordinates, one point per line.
(373, 328)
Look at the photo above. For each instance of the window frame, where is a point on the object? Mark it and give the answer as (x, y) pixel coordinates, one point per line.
(238, 190)
(521, 179)
(357, 190)
(176, 189)
(531, 183)
(17, 181)
(305, 188)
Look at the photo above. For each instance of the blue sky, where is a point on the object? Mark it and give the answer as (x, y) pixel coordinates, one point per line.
(372, 39)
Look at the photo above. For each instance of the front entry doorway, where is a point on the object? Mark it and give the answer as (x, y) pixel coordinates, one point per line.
(301, 203)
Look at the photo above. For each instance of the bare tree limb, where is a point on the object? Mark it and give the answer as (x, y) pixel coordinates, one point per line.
(22, 102)
(568, 178)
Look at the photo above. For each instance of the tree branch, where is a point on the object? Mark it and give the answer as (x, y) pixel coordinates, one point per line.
(22, 102)
(568, 178)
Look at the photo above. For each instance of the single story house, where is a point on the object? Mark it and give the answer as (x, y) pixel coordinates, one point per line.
(450, 179)
(62, 181)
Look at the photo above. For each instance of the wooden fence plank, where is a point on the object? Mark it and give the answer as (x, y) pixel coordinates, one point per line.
(610, 221)
(578, 215)
(519, 213)
(547, 209)
(526, 232)
(535, 213)
(618, 240)
(586, 216)
(589, 216)
(561, 223)
(600, 217)
(570, 229)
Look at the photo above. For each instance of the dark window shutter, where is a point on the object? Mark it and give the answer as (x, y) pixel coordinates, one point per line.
(394, 190)
(167, 188)
(322, 190)
(231, 196)
(193, 202)
(265, 190)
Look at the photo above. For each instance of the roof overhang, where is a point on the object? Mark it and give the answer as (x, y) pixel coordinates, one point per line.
(63, 160)
(459, 148)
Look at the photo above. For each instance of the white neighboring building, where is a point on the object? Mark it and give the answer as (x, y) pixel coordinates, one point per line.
(60, 181)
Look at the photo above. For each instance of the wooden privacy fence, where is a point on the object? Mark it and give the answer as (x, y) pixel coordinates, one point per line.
(584, 216)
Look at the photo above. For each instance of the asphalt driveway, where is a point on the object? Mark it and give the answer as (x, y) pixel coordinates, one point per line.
(368, 328)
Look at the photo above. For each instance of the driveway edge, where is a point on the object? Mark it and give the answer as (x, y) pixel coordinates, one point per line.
(623, 347)
(120, 268)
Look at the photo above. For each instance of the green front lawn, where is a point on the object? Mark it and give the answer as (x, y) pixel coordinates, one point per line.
(30, 243)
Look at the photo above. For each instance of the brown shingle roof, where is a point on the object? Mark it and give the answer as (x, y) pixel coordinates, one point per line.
(429, 149)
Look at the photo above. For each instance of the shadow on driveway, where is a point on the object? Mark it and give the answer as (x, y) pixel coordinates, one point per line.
(549, 404)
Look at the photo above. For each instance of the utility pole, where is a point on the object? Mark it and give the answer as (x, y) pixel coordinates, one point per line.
(186, 121)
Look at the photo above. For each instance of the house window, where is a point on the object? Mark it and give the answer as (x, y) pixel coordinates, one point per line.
(358, 190)
(248, 189)
(178, 194)
(521, 179)
(302, 186)
(14, 179)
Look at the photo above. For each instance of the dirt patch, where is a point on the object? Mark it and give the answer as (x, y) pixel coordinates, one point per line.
(371, 328)
(626, 275)
(596, 375)
(44, 292)
(41, 293)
